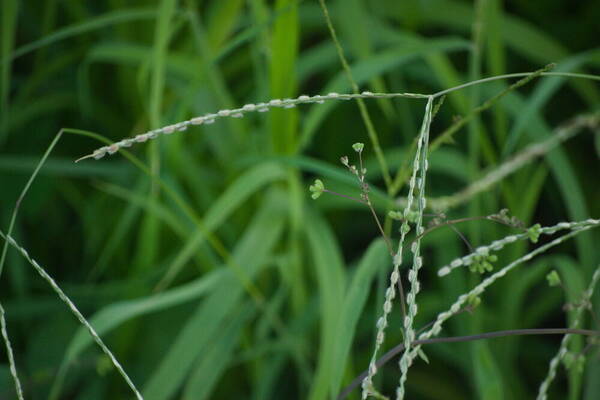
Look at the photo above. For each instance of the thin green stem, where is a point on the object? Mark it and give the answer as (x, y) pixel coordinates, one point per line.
(514, 75)
(13, 218)
(364, 113)
(446, 136)
(345, 196)
(459, 220)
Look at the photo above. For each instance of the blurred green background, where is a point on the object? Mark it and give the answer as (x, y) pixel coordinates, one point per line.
(222, 278)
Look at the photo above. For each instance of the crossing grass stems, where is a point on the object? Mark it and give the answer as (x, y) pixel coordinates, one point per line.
(416, 202)
(416, 196)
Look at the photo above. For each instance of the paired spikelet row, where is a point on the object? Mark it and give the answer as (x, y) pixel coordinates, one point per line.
(415, 184)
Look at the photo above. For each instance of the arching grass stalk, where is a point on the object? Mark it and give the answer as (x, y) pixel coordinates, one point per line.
(562, 351)
(420, 164)
(239, 113)
(9, 352)
(290, 103)
(74, 311)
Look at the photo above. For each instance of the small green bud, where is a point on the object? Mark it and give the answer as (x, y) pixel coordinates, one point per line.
(395, 215)
(553, 278)
(358, 147)
(487, 266)
(483, 263)
(411, 216)
(405, 228)
(534, 233)
(473, 301)
(574, 362)
(344, 160)
(317, 189)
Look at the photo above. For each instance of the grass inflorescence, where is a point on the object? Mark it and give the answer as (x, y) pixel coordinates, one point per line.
(199, 264)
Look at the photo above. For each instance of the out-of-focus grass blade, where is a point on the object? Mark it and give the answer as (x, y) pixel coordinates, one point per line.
(236, 195)
(221, 19)
(563, 173)
(266, 381)
(160, 211)
(195, 336)
(7, 389)
(488, 378)
(131, 54)
(444, 161)
(56, 166)
(117, 236)
(350, 16)
(38, 108)
(443, 70)
(373, 261)
(519, 35)
(572, 278)
(19, 200)
(284, 48)
(511, 310)
(330, 274)
(212, 363)
(149, 232)
(117, 17)
(542, 94)
(496, 57)
(378, 64)
(8, 28)
(110, 317)
(592, 387)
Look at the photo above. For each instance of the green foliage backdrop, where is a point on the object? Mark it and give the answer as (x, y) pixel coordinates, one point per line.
(201, 259)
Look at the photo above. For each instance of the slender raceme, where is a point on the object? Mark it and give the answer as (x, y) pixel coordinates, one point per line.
(562, 351)
(11, 357)
(291, 103)
(420, 163)
(411, 298)
(239, 113)
(75, 312)
(414, 206)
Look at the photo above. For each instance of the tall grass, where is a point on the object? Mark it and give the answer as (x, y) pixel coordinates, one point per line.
(194, 255)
